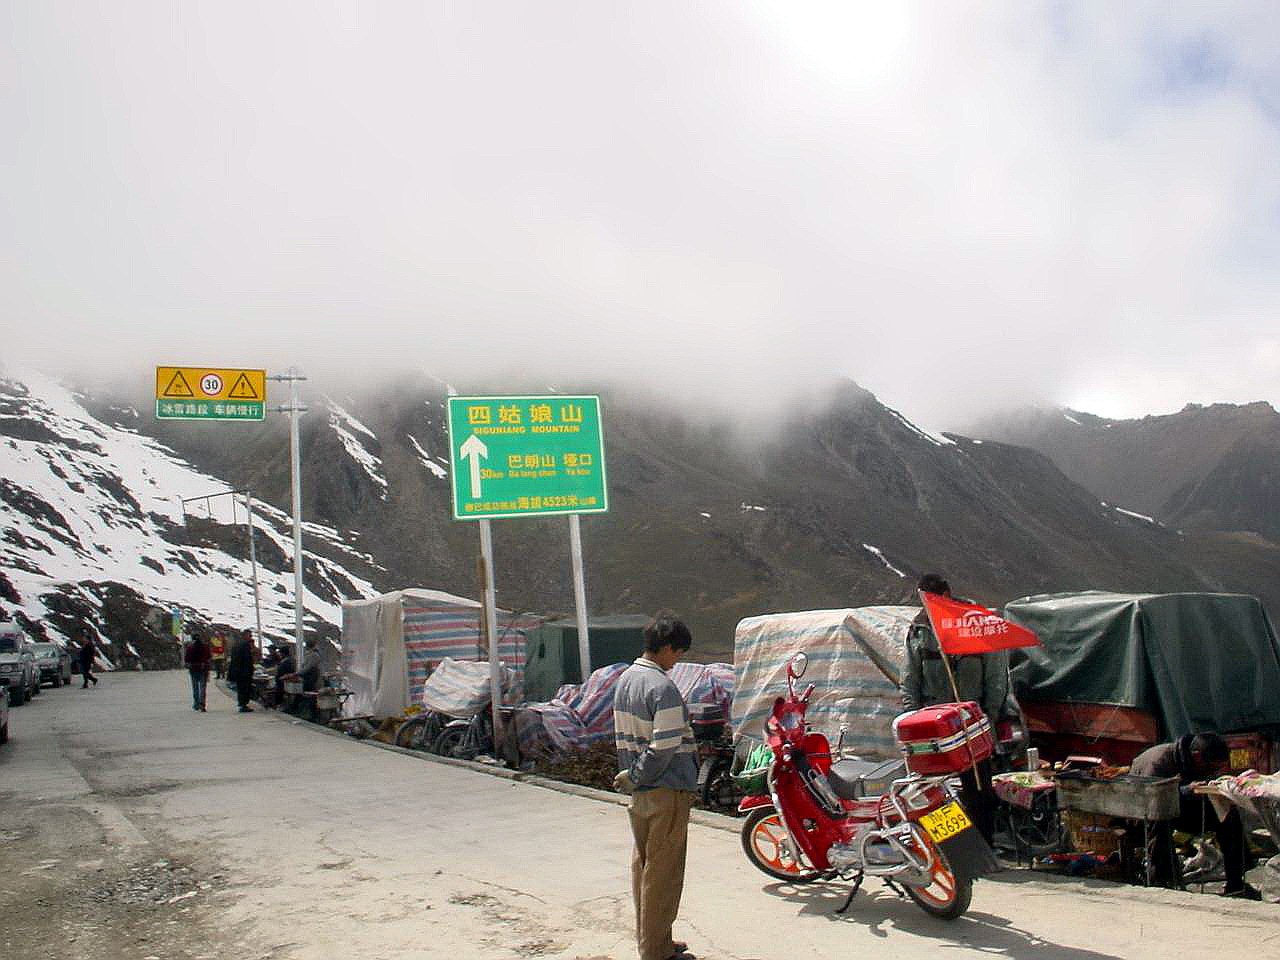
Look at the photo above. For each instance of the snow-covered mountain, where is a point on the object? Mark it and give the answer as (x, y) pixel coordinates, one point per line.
(94, 529)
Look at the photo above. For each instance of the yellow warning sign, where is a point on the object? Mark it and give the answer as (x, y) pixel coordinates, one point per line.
(210, 393)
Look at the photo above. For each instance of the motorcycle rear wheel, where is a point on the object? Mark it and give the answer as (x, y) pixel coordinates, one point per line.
(762, 841)
(948, 896)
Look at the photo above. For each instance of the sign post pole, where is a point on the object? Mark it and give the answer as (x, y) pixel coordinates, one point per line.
(253, 563)
(295, 458)
(580, 595)
(491, 619)
(295, 409)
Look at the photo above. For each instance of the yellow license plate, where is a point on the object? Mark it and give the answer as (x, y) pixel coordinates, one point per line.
(945, 822)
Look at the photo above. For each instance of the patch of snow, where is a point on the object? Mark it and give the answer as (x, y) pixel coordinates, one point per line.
(937, 439)
(879, 555)
(116, 492)
(343, 424)
(131, 648)
(702, 514)
(1137, 516)
(751, 506)
(1071, 418)
(978, 442)
(435, 468)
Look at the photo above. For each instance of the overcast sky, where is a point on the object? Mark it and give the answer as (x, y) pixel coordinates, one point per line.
(962, 206)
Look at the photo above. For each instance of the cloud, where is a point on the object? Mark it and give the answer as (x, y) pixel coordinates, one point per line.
(961, 206)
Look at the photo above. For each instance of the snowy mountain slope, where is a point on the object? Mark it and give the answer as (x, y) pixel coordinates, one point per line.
(87, 504)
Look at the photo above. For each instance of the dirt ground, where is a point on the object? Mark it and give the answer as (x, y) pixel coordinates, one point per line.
(72, 891)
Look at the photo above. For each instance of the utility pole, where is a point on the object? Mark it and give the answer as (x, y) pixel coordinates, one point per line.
(294, 409)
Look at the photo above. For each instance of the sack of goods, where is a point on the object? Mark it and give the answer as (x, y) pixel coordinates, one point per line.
(944, 739)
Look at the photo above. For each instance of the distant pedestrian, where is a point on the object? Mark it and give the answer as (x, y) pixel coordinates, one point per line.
(240, 669)
(197, 658)
(658, 767)
(88, 654)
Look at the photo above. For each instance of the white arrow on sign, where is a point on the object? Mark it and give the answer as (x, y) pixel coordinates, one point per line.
(473, 449)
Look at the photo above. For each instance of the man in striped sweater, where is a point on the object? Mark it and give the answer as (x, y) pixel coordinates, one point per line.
(658, 767)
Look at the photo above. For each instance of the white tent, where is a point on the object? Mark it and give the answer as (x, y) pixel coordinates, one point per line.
(392, 643)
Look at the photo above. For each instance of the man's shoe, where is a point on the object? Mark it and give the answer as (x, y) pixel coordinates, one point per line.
(246, 709)
(1247, 892)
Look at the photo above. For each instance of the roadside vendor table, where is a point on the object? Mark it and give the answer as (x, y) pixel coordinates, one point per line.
(1031, 812)
(1150, 800)
(1256, 794)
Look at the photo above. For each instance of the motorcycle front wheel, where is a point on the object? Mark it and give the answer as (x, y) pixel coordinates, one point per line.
(763, 841)
(947, 896)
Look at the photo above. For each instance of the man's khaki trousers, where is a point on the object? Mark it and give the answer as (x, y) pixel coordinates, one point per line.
(660, 824)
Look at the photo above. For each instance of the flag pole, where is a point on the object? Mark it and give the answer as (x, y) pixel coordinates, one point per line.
(955, 689)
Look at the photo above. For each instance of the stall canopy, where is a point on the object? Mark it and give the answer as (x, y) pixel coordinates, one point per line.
(392, 643)
(1195, 661)
(854, 654)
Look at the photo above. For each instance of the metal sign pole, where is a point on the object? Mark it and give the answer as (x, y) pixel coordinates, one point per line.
(253, 563)
(295, 466)
(491, 618)
(579, 595)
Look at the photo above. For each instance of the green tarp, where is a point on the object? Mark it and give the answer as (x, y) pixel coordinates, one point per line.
(1197, 661)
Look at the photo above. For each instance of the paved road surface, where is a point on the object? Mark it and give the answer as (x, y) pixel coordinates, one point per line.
(134, 827)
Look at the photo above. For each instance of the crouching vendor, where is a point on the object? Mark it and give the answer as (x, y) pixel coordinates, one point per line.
(1195, 758)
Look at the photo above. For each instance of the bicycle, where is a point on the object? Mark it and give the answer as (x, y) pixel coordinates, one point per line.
(468, 739)
(420, 731)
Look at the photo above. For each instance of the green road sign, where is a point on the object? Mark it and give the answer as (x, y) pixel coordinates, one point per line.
(526, 456)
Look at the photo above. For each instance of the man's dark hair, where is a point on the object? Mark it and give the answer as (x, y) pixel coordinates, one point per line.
(666, 629)
(933, 583)
(1211, 749)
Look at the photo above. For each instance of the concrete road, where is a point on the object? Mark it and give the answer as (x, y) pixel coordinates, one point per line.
(135, 827)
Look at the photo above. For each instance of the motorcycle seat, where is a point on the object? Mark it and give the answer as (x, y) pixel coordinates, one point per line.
(856, 779)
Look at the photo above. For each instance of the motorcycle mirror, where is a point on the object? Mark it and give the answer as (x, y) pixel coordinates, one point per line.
(797, 666)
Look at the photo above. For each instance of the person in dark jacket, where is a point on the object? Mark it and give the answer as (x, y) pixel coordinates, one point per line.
(88, 653)
(980, 677)
(240, 669)
(198, 657)
(1194, 758)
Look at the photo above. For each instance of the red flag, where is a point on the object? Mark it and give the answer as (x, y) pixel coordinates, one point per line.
(968, 628)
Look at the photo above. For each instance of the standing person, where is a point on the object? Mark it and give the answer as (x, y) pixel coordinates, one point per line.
(980, 677)
(197, 658)
(1194, 758)
(88, 653)
(218, 651)
(658, 767)
(240, 669)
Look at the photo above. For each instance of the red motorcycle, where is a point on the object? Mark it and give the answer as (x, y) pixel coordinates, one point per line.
(824, 820)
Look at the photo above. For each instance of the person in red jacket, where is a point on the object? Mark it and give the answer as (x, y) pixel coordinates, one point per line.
(198, 657)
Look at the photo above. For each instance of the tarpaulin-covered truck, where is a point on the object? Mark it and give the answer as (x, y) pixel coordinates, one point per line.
(1117, 672)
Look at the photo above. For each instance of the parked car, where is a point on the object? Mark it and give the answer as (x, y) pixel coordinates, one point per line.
(53, 662)
(18, 671)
